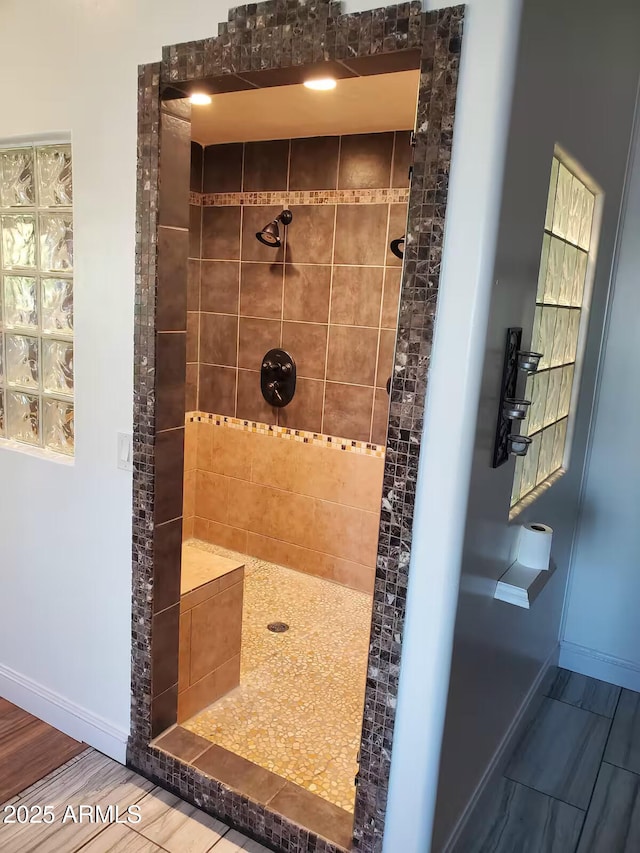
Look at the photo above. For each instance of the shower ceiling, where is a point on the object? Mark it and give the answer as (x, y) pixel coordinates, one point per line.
(370, 104)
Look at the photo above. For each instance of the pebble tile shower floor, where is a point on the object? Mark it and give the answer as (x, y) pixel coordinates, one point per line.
(298, 708)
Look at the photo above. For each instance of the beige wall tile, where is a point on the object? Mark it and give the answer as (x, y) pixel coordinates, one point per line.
(208, 689)
(355, 480)
(216, 631)
(299, 520)
(276, 462)
(227, 537)
(351, 479)
(189, 495)
(200, 526)
(369, 537)
(353, 575)
(190, 446)
(232, 578)
(271, 512)
(231, 452)
(340, 531)
(204, 433)
(184, 653)
(189, 600)
(187, 528)
(212, 496)
(344, 572)
(299, 496)
(241, 497)
(275, 551)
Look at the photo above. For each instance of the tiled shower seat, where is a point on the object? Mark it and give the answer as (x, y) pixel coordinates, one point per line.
(211, 594)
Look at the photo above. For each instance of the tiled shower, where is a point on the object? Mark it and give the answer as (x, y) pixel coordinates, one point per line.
(328, 296)
(281, 507)
(305, 639)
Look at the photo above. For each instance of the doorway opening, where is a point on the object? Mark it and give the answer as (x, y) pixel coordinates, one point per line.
(282, 498)
(283, 330)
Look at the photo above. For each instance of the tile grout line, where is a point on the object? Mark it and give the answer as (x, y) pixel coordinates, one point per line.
(543, 793)
(235, 402)
(115, 785)
(310, 379)
(199, 285)
(284, 267)
(577, 707)
(580, 708)
(296, 263)
(620, 767)
(133, 828)
(377, 364)
(275, 320)
(595, 781)
(332, 267)
(200, 250)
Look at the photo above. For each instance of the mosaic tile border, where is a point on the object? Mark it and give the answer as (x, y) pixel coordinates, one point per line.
(276, 34)
(331, 442)
(285, 198)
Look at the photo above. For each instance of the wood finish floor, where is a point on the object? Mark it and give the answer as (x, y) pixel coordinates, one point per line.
(166, 824)
(572, 784)
(29, 749)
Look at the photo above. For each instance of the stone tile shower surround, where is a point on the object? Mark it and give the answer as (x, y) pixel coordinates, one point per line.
(329, 295)
(306, 506)
(274, 35)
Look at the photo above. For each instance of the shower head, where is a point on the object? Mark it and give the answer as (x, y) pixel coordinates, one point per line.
(270, 234)
(397, 247)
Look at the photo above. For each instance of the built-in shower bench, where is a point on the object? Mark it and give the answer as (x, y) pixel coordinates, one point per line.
(211, 593)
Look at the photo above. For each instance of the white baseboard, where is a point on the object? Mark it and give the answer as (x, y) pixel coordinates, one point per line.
(72, 719)
(595, 664)
(498, 763)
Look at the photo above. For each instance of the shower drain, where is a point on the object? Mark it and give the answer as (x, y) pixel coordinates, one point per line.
(278, 627)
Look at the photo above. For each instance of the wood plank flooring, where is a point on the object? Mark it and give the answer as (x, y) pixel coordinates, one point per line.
(166, 825)
(573, 780)
(572, 786)
(29, 749)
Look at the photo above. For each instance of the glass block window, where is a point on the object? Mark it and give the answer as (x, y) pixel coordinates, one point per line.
(559, 302)
(36, 297)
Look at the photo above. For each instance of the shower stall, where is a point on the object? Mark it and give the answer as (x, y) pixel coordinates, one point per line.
(288, 265)
(292, 305)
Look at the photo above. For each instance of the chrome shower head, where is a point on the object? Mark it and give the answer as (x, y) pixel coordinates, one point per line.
(270, 234)
(397, 247)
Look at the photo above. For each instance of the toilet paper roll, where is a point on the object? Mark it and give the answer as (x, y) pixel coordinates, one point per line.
(534, 545)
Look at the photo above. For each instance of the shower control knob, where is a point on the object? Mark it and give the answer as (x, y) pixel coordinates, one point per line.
(278, 377)
(274, 390)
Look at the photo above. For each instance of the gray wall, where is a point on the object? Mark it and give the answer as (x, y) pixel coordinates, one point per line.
(602, 633)
(575, 84)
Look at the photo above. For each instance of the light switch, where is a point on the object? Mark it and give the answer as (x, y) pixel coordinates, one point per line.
(125, 451)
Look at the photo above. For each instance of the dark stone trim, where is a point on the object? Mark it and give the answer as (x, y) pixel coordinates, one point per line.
(257, 37)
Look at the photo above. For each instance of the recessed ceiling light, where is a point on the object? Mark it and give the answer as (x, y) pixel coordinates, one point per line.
(321, 84)
(200, 99)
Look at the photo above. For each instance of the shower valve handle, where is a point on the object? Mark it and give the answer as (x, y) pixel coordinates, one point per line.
(278, 377)
(276, 367)
(274, 388)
